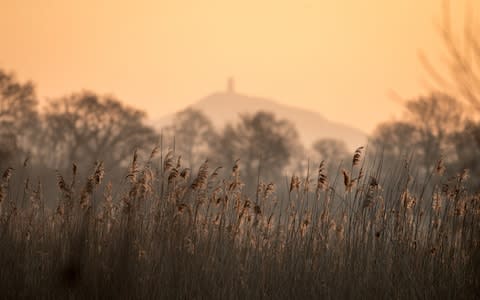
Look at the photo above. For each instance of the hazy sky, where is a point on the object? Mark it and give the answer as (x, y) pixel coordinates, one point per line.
(338, 57)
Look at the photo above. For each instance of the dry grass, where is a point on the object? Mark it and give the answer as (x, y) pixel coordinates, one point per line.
(162, 234)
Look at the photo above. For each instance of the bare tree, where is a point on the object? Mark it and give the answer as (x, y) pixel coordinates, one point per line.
(18, 115)
(88, 127)
(395, 140)
(261, 142)
(193, 133)
(463, 59)
(435, 118)
(425, 132)
(332, 151)
(462, 79)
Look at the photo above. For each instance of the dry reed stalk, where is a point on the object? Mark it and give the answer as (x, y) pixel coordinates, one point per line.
(270, 189)
(7, 174)
(372, 188)
(347, 181)
(200, 181)
(144, 184)
(357, 156)
(185, 174)
(153, 154)
(133, 170)
(440, 167)
(294, 183)
(168, 162)
(322, 179)
(236, 169)
(92, 181)
(172, 177)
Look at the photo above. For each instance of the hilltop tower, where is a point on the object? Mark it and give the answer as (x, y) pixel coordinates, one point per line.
(230, 85)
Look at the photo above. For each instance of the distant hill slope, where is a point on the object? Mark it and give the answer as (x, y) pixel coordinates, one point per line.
(224, 107)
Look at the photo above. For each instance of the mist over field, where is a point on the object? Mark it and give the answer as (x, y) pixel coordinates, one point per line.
(244, 192)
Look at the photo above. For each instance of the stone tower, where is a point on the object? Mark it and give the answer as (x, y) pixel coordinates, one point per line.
(231, 85)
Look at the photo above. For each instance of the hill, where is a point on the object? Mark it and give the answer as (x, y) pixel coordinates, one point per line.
(224, 107)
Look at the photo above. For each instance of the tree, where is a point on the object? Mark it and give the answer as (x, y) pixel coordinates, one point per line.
(332, 151)
(394, 140)
(435, 118)
(463, 62)
(18, 115)
(425, 132)
(193, 132)
(461, 78)
(88, 127)
(261, 142)
(467, 146)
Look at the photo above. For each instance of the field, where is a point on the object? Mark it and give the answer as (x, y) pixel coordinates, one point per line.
(164, 232)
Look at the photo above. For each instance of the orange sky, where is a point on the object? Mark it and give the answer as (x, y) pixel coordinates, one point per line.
(337, 57)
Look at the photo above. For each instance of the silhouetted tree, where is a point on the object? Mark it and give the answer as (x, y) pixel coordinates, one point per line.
(425, 132)
(436, 118)
(332, 152)
(193, 132)
(331, 149)
(85, 127)
(261, 142)
(462, 79)
(467, 147)
(395, 140)
(18, 115)
(463, 60)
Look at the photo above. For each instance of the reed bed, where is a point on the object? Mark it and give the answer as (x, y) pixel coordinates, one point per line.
(166, 232)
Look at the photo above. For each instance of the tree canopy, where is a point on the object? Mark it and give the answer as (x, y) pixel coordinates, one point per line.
(86, 126)
(18, 115)
(261, 142)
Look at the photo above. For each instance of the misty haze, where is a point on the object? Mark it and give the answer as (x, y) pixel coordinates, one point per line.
(240, 149)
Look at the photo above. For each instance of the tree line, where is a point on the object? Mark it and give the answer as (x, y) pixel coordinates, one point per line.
(85, 127)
